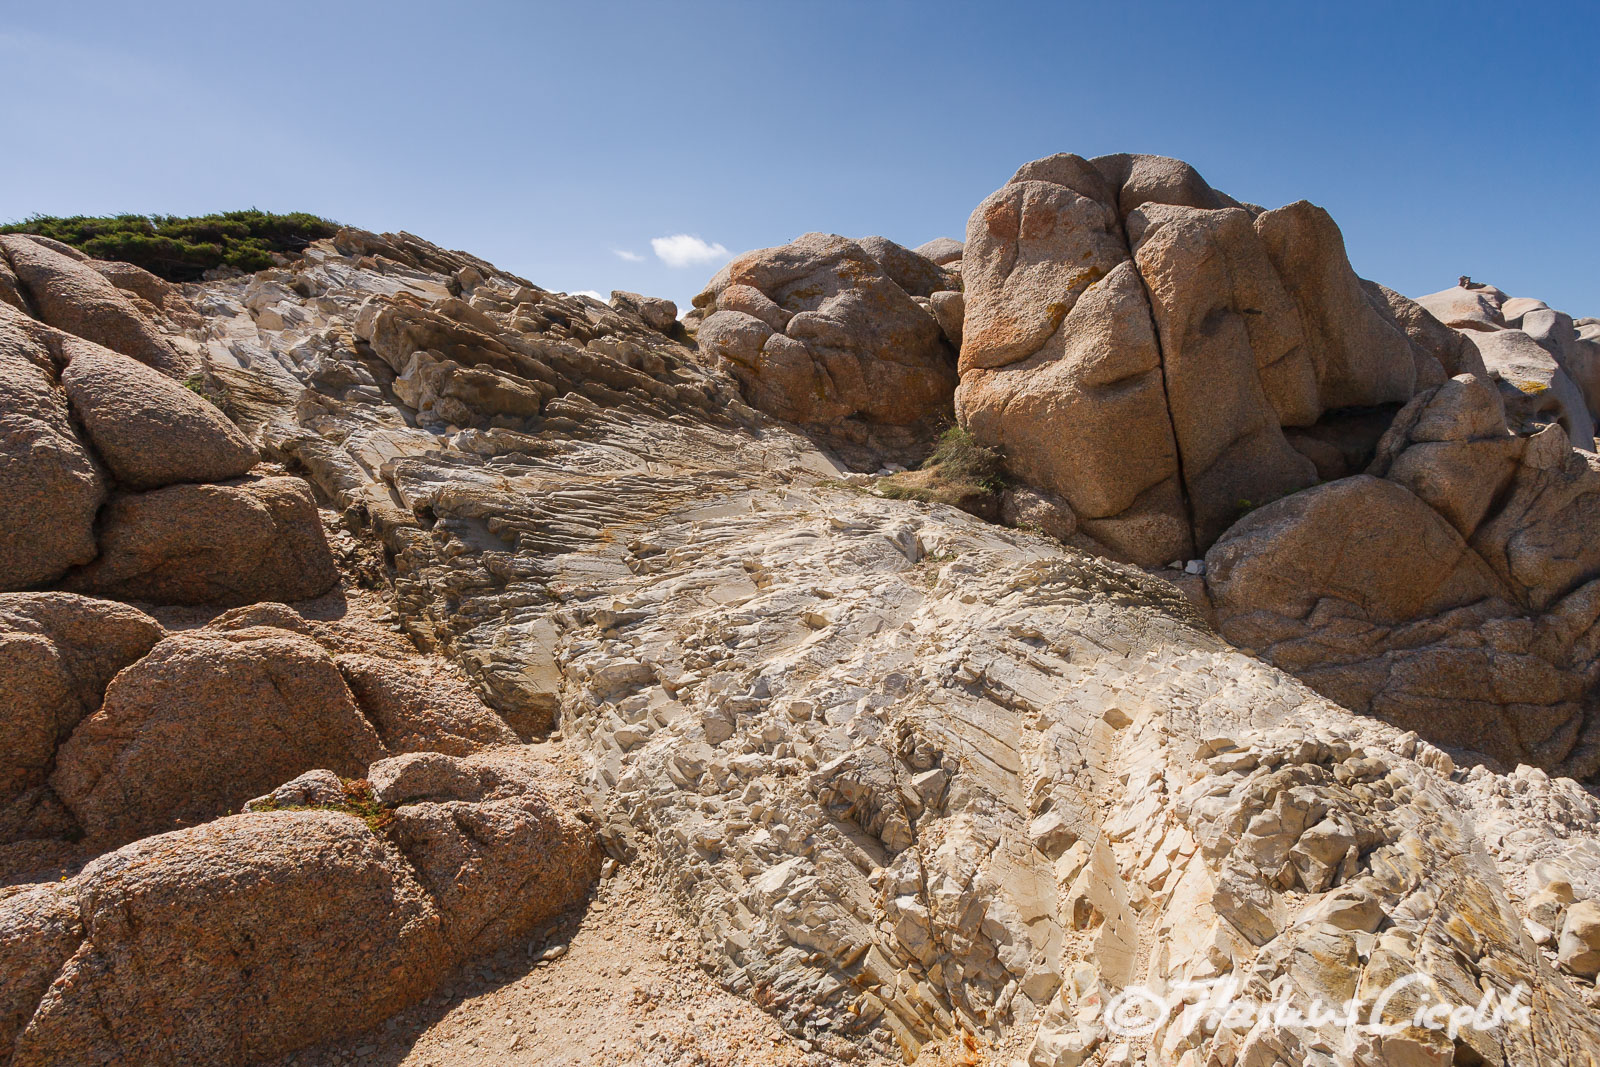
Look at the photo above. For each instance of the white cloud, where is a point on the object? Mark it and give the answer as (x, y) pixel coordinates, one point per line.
(686, 250)
(631, 257)
(589, 293)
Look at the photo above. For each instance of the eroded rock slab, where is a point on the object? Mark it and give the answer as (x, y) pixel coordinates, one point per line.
(165, 748)
(211, 544)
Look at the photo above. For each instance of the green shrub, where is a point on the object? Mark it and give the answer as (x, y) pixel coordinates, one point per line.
(183, 249)
(960, 458)
(959, 472)
(358, 801)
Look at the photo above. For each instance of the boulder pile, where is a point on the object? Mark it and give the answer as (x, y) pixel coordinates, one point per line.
(1381, 498)
(117, 479)
(1545, 363)
(841, 336)
(396, 830)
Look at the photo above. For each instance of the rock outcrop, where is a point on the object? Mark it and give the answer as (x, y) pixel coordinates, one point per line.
(828, 332)
(416, 714)
(1546, 365)
(148, 430)
(941, 251)
(229, 544)
(162, 750)
(658, 314)
(50, 488)
(1180, 374)
(250, 936)
(58, 652)
(1454, 594)
(121, 482)
(69, 294)
(908, 774)
(1162, 357)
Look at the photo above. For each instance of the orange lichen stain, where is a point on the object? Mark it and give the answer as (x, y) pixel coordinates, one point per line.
(1004, 219)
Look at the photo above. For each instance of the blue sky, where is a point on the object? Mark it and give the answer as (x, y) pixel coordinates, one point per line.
(1445, 138)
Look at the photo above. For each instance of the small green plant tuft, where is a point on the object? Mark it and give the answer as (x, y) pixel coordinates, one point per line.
(960, 471)
(358, 801)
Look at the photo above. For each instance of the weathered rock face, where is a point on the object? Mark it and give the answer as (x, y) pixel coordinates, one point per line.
(57, 654)
(905, 763)
(1546, 365)
(826, 329)
(1172, 357)
(413, 713)
(59, 651)
(658, 314)
(1093, 419)
(50, 488)
(312, 906)
(941, 251)
(1164, 361)
(82, 422)
(39, 929)
(163, 951)
(905, 775)
(1455, 594)
(211, 544)
(146, 428)
(72, 296)
(163, 749)
(489, 844)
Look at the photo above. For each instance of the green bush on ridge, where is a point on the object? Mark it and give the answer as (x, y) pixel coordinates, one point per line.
(183, 249)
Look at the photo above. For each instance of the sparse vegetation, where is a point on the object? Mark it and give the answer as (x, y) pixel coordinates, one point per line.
(926, 572)
(358, 801)
(835, 483)
(209, 392)
(182, 249)
(959, 472)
